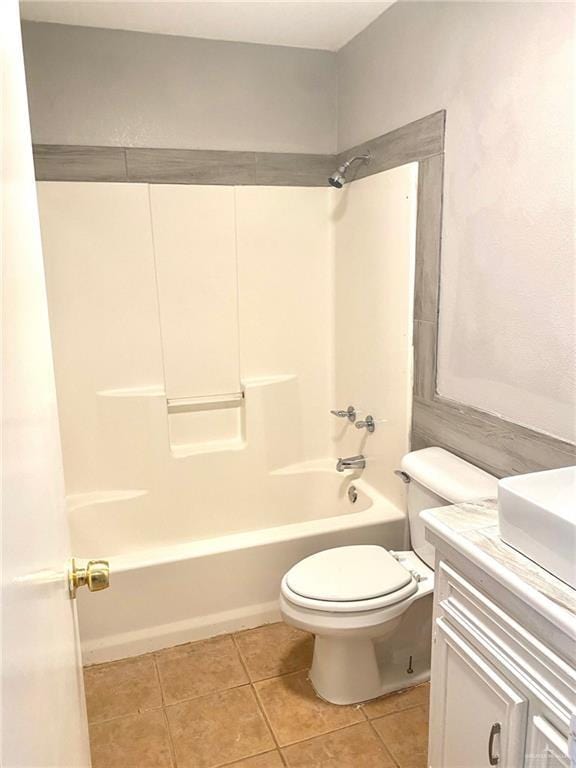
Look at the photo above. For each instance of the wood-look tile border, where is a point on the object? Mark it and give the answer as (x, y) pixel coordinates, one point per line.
(54, 162)
(58, 162)
(499, 446)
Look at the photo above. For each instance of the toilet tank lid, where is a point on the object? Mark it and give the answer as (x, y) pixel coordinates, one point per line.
(449, 476)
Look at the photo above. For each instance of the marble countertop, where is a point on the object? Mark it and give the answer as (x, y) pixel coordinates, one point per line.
(472, 528)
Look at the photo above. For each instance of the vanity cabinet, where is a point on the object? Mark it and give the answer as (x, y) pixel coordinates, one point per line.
(499, 696)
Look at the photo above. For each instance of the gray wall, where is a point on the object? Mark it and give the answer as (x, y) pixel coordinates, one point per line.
(503, 73)
(112, 88)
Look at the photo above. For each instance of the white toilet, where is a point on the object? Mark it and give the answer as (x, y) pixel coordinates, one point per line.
(370, 609)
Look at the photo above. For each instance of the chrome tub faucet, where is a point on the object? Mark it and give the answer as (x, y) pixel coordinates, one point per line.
(352, 462)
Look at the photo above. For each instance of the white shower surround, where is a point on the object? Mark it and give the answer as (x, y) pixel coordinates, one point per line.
(200, 514)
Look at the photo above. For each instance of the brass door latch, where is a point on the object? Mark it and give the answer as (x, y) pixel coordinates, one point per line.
(95, 575)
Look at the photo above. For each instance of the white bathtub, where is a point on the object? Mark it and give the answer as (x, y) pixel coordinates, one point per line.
(172, 594)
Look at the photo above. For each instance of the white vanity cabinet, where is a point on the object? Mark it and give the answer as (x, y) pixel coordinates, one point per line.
(499, 696)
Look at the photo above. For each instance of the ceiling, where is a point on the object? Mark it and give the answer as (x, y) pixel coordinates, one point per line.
(323, 24)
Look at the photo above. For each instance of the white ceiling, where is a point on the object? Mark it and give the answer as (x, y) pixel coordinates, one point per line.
(322, 24)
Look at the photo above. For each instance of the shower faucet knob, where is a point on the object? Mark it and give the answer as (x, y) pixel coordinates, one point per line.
(349, 413)
(368, 424)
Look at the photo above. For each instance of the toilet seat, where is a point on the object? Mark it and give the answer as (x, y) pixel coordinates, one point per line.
(349, 579)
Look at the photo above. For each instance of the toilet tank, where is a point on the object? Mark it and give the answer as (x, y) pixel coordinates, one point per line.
(438, 478)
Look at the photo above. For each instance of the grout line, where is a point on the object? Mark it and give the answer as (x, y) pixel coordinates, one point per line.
(242, 759)
(267, 721)
(171, 746)
(125, 154)
(397, 712)
(165, 714)
(217, 692)
(381, 740)
(324, 734)
(255, 692)
(123, 717)
(159, 679)
(241, 657)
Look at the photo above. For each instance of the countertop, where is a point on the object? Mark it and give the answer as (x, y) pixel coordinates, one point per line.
(472, 529)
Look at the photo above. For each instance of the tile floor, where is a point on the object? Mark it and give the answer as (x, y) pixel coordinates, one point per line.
(243, 701)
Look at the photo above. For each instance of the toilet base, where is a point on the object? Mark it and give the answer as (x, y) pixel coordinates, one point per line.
(350, 670)
(348, 673)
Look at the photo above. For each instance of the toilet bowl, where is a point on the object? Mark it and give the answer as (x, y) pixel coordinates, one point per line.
(371, 591)
(370, 609)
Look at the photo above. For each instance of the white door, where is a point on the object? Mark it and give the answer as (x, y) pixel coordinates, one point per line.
(43, 710)
(477, 718)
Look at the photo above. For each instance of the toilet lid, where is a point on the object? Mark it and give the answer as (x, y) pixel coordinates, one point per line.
(346, 574)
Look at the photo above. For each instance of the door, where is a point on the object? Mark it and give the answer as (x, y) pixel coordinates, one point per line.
(43, 710)
(477, 719)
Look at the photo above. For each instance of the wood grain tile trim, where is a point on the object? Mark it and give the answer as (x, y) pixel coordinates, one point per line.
(56, 162)
(411, 143)
(498, 446)
(183, 166)
(428, 238)
(180, 166)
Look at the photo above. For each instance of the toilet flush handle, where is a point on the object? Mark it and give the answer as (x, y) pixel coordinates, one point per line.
(402, 475)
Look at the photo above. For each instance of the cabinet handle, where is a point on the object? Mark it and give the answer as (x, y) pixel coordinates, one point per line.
(494, 731)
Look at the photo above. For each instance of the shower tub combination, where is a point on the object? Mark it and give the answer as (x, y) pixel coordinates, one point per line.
(188, 591)
(201, 337)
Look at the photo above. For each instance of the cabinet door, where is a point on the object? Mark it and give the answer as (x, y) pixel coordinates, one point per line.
(477, 718)
(547, 748)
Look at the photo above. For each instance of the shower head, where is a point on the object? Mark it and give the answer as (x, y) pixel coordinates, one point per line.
(338, 179)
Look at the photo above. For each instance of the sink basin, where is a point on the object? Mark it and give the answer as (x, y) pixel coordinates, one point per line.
(538, 518)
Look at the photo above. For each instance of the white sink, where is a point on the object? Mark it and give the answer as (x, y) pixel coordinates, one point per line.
(538, 518)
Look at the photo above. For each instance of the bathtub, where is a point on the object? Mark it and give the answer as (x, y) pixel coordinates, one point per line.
(178, 592)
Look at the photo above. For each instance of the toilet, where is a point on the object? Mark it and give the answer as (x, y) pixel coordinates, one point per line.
(370, 609)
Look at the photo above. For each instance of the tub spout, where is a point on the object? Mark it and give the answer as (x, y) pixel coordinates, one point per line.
(352, 462)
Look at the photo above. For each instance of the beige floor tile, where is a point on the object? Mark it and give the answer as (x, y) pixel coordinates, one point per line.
(135, 741)
(269, 760)
(197, 669)
(275, 649)
(354, 747)
(218, 729)
(405, 735)
(418, 696)
(296, 713)
(121, 688)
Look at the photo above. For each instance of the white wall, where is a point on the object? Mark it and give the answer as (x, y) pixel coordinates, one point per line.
(503, 73)
(194, 233)
(100, 275)
(108, 87)
(375, 223)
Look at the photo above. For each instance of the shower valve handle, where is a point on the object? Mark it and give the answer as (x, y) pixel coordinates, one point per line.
(367, 424)
(349, 413)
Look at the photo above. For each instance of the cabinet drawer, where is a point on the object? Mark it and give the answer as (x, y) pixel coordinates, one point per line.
(547, 748)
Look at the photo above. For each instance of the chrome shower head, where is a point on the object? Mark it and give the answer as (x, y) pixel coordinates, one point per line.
(338, 179)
